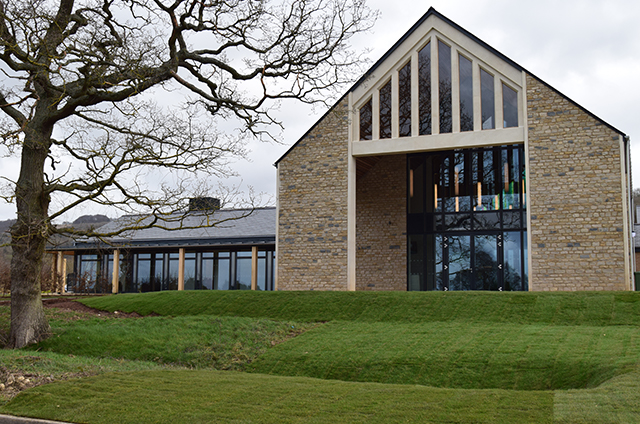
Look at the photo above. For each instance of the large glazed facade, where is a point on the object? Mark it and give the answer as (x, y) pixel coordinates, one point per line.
(450, 167)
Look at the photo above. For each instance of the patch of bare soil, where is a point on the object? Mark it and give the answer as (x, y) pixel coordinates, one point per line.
(68, 304)
(13, 382)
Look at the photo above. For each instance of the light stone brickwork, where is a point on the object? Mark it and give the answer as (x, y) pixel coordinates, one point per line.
(312, 197)
(381, 215)
(576, 196)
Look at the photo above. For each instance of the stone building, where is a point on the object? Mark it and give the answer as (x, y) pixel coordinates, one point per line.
(448, 166)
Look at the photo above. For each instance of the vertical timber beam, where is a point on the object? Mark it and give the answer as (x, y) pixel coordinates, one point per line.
(59, 271)
(181, 269)
(115, 276)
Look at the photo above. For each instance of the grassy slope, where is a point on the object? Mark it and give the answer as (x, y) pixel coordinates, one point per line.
(584, 308)
(507, 340)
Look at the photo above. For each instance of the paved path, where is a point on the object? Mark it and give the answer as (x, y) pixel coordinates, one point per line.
(10, 419)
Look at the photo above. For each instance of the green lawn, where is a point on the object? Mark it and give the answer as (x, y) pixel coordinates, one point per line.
(341, 357)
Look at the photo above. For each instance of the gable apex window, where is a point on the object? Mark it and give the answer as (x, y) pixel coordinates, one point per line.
(488, 100)
(439, 87)
(424, 89)
(366, 124)
(385, 110)
(404, 101)
(444, 89)
(509, 106)
(466, 93)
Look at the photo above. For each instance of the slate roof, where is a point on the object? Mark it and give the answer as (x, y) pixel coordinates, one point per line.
(225, 227)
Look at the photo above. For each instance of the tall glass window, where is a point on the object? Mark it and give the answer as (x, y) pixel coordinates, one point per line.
(509, 106)
(444, 77)
(404, 101)
(424, 83)
(366, 123)
(385, 111)
(243, 270)
(488, 100)
(466, 94)
(467, 229)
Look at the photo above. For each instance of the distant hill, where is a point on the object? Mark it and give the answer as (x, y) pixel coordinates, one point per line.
(92, 219)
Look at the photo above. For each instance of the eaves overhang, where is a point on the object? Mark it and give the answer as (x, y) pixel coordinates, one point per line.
(233, 242)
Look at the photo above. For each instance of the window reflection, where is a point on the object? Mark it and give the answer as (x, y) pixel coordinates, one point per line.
(385, 111)
(487, 100)
(366, 123)
(444, 78)
(424, 83)
(509, 106)
(404, 99)
(466, 94)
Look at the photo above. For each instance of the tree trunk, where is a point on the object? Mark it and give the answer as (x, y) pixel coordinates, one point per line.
(29, 237)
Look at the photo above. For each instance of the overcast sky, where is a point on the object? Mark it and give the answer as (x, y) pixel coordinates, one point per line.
(589, 50)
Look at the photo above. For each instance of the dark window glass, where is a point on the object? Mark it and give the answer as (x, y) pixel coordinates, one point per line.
(385, 111)
(457, 194)
(486, 221)
(457, 222)
(222, 271)
(262, 282)
(513, 261)
(143, 273)
(485, 188)
(416, 262)
(462, 242)
(509, 106)
(459, 262)
(486, 262)
(416, 184)
(511, 179)
(424, 87)
(171, 282)
(207, 271)
(366, 123)
(511, 219)
(404, 101)
(444, 77)
(488, 100)
(432, 170)
(438, 256)
(466, 94)
(190, 271)
(243, 272)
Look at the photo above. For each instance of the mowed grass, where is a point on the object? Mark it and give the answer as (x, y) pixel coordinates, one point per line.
(456, 355)
(442, 357)
(231, 397)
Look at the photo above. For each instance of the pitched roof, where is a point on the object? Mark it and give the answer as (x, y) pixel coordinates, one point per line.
(433, 12)
(223, 227)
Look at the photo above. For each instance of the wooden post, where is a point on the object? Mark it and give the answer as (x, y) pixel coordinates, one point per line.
(115, 277)
(59, 271)
(254, 267)
(181, 269)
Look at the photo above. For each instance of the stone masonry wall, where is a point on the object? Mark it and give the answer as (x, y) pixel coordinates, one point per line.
(576, 198)
(312, 221)
(381, 238)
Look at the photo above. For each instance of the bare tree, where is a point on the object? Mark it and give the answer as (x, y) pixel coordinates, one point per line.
(78, 79)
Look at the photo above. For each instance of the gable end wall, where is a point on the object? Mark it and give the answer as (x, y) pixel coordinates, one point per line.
(576, 196)
(312, 199)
